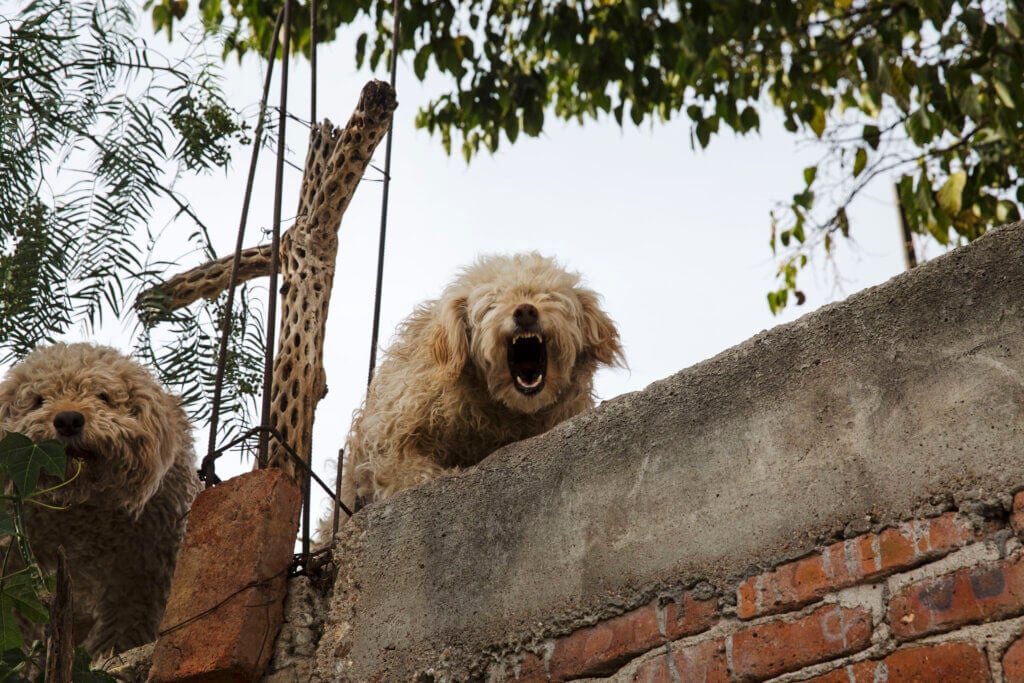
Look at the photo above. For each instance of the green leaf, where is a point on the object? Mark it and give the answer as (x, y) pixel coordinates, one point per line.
(872, 136)
(917, 126)
(533, 120)
(860, 161)
(82, 671)
(817, 121)
(19, 591)
(842, 221)
(810, 173)
(7, 527)
(420, 62)
(1003, 91)
(703, 133)
(10, 628)
(749, 120)
(22, 460)
(950, 195)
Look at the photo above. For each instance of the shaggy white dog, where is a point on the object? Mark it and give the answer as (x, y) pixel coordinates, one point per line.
(507, 352)
(124, 516)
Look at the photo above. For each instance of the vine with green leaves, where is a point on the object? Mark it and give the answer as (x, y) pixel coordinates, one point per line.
(24, 586)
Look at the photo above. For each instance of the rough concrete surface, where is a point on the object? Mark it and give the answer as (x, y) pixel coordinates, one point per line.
(875, 407)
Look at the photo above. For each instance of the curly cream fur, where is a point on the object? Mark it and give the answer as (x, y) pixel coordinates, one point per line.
(125, 513)
(443, 397)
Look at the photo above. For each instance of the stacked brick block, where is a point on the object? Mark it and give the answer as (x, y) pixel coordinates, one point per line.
(932, 599)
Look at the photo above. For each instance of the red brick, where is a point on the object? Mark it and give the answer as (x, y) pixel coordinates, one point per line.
(704, 662)
(848, 562)
(1013, 659)
(986, 592)
(948, 662)
(599, 649)
(227, 596)
(605, 646)
(780, 646)
(531, 669)
(689, 616)
(1017, 514)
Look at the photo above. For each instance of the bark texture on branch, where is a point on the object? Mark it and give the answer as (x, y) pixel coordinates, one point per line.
(60, 645)
(335, 163)
(206, 281)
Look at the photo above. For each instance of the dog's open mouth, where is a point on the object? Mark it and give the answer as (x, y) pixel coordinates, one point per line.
(527, 361)
(79, 453)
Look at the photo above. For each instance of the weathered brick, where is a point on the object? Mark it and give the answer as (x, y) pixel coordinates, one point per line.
(227, 596)
(599, 649)
(689, 616)
(704, 662)
(1017, 514)
(778, 647)
(846, 563)
(603, 647)
(986, 592)
(1013, 659)
(947, 662)
(531, 669)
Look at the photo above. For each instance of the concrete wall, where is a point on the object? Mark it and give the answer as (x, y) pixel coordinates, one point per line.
(904, 401)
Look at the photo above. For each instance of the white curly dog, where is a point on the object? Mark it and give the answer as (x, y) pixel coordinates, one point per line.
(508, 351)
(124, 515)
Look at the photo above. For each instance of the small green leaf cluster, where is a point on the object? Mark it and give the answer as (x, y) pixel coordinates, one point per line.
(925, 92)
(23, 586)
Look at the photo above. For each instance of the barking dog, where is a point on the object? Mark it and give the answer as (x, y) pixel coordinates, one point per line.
(507, 352)
(125, 514)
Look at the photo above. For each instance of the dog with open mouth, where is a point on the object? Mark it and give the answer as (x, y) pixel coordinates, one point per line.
(508, 351)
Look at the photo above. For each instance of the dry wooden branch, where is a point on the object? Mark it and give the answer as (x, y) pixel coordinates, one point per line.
(207, 282)
(335, 163)
(60, 645)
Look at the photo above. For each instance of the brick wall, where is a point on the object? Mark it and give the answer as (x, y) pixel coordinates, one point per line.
(829, 500)
(932, 599)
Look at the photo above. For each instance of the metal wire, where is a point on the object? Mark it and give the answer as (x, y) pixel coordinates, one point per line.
(306, 493)
(384, 206)
(312, 60)
(207, 473)
(275, 242)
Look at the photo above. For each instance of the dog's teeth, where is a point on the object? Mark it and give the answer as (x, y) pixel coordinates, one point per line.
(530, 385)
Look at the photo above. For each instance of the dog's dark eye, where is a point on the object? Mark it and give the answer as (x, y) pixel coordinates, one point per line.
(37, 403)
(104, 397)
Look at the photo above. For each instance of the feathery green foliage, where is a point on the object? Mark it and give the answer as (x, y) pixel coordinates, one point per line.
(923, 92)
(24, 589)
(94, 128)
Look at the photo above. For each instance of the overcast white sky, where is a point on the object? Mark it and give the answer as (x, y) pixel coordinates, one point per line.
(675, 240)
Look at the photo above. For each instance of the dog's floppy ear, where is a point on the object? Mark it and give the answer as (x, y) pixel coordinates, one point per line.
(449, 340)
(600, 336)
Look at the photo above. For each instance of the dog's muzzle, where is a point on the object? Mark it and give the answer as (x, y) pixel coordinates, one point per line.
(70, 426)
(527, 352)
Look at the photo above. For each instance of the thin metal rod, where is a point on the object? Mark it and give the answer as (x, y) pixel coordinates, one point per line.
(207, 474)
(384, 207)
(275, 242)
(337, 492)
(288, 451)
(312, 60)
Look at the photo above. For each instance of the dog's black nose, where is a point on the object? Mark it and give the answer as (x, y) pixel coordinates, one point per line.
(69, 423)
(525, 315)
